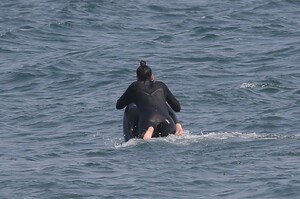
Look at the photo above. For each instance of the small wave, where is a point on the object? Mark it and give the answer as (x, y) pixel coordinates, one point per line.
(267, 83)
(270, 82)
(130, 143)
(26, 28)
(189, 138)
(164, 38)
(282, 137)
(158, 8)
(8, 35)
(62, 24)
(248, 85)
(224, 135)
(209, 36)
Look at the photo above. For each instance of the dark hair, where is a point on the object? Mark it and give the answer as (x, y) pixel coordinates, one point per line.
(143, 72)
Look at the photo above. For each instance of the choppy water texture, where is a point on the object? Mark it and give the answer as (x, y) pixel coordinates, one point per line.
(233, 65)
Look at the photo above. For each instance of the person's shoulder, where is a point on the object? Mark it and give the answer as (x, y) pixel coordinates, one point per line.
(160, 83)
(133, 83)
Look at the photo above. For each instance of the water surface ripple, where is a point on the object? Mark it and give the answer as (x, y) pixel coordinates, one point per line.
(233, 65)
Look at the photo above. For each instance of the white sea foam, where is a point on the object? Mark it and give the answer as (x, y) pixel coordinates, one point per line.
(189, 138)
(129, 143)
(247, 85)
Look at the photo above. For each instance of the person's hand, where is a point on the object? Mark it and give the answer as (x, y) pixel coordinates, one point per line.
(179, 130)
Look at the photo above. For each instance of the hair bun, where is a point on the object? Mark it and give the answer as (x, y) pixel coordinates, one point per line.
(143, 63)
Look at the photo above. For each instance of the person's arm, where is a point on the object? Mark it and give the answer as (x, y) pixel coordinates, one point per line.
(172, 114)
(172, 101)
(126, 98)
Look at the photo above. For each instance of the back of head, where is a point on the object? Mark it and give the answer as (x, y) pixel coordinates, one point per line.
(143, 72)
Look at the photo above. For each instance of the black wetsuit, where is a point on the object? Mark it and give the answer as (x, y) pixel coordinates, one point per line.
(150, 98)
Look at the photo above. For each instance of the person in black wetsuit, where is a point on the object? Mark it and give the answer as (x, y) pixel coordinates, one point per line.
(152, 99)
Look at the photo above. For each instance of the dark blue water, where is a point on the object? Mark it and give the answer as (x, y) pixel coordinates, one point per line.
(233, 65)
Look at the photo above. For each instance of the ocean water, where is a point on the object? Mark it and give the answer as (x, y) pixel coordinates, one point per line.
(233, 65)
